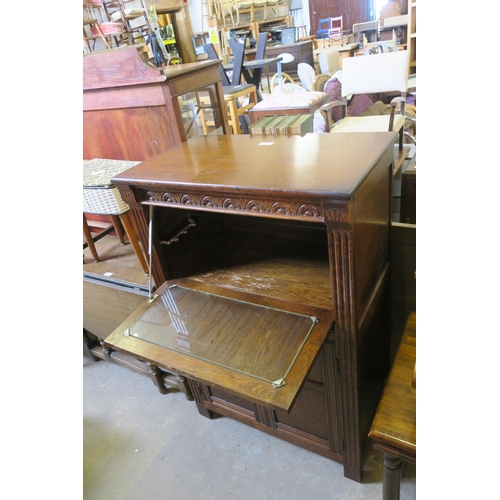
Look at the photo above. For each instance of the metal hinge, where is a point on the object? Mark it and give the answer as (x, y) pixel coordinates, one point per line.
(336, 358)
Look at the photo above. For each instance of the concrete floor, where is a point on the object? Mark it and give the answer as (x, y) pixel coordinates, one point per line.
(141, 445)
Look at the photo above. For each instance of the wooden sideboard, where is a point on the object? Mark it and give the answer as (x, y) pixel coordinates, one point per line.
(249, 238)
(131, 109)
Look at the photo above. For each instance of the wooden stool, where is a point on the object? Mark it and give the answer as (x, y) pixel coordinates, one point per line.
(106, 229)
(101, 197)
(235, 109)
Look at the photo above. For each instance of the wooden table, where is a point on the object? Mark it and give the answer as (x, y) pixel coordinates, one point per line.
(249, 67)
(302, 52)
(298, 225)
(394, 426)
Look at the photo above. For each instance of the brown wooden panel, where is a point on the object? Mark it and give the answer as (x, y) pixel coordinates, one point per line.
(124, 97)
(128, 134)
(309, 412)
(223, 396)
(371, 231)
(119, 67)
(105, 307)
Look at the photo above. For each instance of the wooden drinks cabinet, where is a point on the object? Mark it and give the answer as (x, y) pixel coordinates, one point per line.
(270, 261)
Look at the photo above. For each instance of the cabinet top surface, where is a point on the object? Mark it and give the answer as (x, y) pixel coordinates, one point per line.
(317, 165)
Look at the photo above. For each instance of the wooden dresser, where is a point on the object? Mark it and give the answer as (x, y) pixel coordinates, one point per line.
(271, 266)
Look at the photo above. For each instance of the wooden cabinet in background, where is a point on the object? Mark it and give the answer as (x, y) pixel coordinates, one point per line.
(131, 109)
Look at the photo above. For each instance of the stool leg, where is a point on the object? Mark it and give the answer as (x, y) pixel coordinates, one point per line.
(118, 228)
(129, 229)
(88, 238)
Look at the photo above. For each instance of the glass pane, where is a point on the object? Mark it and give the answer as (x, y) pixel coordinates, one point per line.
(200, 112)
(255, 340)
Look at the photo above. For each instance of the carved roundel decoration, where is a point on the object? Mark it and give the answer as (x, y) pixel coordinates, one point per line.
(168, 198)
(208, 201)
(277, 208)
(187, 199)
(231, 204)
(308, 211)
(255, 206)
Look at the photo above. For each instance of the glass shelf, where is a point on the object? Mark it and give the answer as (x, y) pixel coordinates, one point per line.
(254, 340)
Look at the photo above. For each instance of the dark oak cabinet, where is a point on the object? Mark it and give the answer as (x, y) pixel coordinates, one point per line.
(271, 266)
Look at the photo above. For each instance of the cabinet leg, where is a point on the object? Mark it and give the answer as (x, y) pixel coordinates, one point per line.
(155, 374)
(106, 351)
(203, 410)
(198, 397)
(89, 343)
(184, 387)
(391, 474)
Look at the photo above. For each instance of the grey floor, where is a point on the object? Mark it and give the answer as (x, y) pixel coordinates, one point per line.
(141, 445)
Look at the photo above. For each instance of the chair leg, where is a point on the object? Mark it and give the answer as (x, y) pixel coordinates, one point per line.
(129, 229)
(88, 238)
(233, 116)
(401, 136)
(203, 121)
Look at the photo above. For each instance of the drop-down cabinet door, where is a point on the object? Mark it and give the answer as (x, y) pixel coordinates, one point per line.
(255, 348)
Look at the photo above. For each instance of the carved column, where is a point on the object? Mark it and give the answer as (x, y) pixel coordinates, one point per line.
(340, 244)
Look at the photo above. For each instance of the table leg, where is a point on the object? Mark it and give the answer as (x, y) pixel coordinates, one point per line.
(391, 477)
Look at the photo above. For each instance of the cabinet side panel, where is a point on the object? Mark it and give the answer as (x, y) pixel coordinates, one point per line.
(370, 229)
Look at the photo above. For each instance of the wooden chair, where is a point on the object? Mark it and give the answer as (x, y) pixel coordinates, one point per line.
(91, 29)
(255, 76)
(379, 73)
(234, 91)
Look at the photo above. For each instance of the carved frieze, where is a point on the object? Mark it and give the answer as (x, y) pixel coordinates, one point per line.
(231, 203)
